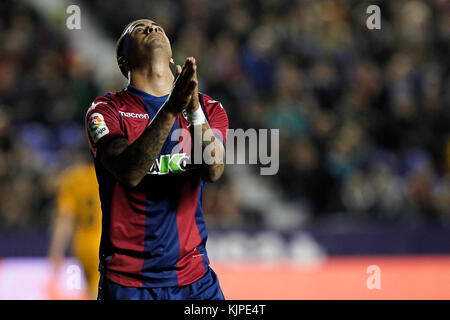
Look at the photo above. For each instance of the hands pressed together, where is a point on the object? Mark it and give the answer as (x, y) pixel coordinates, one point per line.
(184, 94)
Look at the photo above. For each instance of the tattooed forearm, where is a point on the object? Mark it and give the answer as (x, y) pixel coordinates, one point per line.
(213, 172)
(210, 172)
(130, 162)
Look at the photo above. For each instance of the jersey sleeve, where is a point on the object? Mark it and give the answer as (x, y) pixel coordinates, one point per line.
(217, 117)
(102, 123)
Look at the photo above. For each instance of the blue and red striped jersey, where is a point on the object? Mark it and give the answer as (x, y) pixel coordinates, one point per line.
(153, 235)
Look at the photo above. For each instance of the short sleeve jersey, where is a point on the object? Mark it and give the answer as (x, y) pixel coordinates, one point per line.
(153, 235)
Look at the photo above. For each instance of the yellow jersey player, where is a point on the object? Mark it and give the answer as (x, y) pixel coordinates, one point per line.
(78, 219)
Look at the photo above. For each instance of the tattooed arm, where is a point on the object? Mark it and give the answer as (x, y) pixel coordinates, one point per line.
(212, 170)
(129, 163)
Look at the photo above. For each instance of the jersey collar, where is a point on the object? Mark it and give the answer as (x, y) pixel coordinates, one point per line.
(146, 96)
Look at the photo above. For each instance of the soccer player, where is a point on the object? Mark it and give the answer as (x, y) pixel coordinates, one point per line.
(78, 219)
(153, 230)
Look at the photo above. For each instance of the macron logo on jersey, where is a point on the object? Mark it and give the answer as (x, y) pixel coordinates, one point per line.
(133, 115)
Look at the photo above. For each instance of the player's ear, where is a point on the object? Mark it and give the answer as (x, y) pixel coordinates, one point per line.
(171, 61)
(123, 66)
(122, 62)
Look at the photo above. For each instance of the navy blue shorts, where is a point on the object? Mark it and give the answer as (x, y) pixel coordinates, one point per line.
(205, 288)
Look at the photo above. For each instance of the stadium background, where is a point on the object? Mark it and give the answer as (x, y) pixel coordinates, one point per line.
(363, 115)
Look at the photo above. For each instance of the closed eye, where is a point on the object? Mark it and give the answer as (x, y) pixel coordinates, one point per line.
(141, 27)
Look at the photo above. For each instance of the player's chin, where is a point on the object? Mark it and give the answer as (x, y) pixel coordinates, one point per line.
(153, 43)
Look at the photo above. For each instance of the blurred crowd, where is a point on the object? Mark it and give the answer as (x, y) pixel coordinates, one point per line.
(363, 114)
(44, 91)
